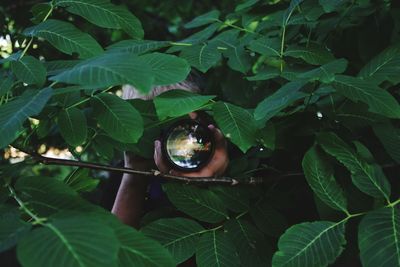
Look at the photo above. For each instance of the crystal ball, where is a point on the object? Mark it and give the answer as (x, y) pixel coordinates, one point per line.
(188, 145)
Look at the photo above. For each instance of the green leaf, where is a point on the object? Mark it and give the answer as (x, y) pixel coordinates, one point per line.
(66, 38)
(383, 67)
(14, 113)
(46, 196)
(40, 12)
(69, 242)
(73, 126)
(236, 123)
(57, 66)
(110, 70)
(279, 100)
(179, 235)
(29, 70)
(331, 5)
(264, 74)
(389, 136)
(12, 228)
(245, 4)
(288, 13)
(266, 46)
(204, 19)
(6, 84)
(234, 198)
(202, 56)
(167, 69)
(182, 101)
(370, 179)
(310, 244)
(378, 100)
(80, 181)
(216, 250)
(379, 238)
(314, 54)
(325, 73)
(319, 175)
(137, 46)
(36, 185)
(249, 242)
(267, 219)
(201, 204)
(139, 250)
(104, 14)
(238, 58)
(118, 118)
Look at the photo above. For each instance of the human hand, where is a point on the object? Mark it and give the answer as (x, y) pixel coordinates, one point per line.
(216, 166)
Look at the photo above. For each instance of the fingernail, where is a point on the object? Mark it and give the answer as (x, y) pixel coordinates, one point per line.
(211, 126)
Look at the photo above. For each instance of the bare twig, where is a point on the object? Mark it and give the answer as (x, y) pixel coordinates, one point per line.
(189, 180)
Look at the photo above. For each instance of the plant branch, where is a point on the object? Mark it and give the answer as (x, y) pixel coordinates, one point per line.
(189, 180)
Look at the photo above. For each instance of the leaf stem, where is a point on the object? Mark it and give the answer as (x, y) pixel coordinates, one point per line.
(87, 99)
(36, 219)
(392, 204)
(180, 44)
(31, 40)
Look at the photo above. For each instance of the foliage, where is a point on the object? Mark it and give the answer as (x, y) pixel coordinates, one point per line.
(306, 92)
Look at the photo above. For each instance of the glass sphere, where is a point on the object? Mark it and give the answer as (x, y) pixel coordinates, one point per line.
(188, 145)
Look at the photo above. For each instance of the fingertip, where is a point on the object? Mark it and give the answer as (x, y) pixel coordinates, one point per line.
(211, 127)
(193, 115)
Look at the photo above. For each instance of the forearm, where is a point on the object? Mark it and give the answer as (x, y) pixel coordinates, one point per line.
(129, 202)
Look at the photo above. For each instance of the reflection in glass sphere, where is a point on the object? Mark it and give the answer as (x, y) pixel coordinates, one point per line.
(189, 145)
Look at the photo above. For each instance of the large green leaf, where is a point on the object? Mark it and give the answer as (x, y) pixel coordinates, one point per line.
(379, 238)
(110, 70)
(139, 250)
(178, 235)
(238, 57)
(266, 46)
(216, 250)
(325, 73)
(137, 46)
(236, 123)
(378, 100)
(234, 198)
(66, 38)
(267, 218)
(73, 126)
(12, 228)
(314, 244)
(6, 84)
(29, 70)
(331, 5)
(370, 179)
(47, 195)
(383, 67)
(202, 56)
(250, 244)
(118, 118)
(279, 100)
(389, 136)
(55, 67)
(104, 14)
(81, 181)
(14, 113)
(167, 69)
(182, 101)
(315, 55)
(69, 242)
(196, 38)
(204, 19)
(201, 204)
(319, 175)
